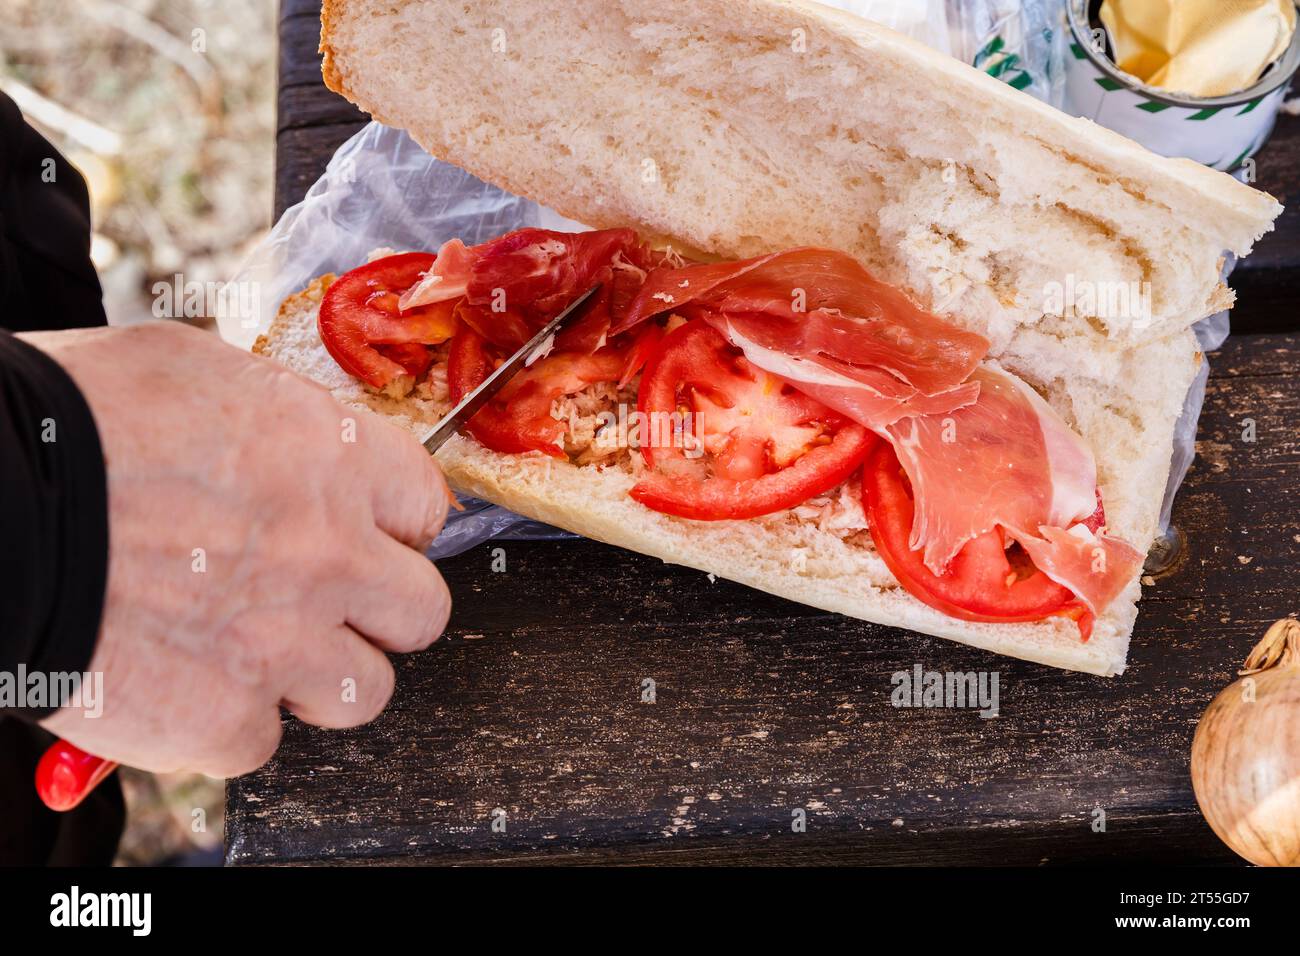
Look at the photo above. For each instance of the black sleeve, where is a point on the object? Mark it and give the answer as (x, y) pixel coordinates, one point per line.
(47, 280)
(53, 491)
(53, 520)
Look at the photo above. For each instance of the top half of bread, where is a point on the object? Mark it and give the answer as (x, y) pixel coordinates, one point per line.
(736, 127)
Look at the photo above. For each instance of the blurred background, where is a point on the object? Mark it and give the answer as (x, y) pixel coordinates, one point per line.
(168, 109)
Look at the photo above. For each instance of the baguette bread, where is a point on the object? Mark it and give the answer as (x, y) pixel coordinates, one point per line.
(940, 179)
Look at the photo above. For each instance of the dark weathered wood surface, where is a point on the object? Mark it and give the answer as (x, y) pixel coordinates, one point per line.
(532, 704)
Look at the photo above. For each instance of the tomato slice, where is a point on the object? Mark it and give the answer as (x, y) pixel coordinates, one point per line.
(360, 312)
(414, 358)
(643, 346)
(468, 363)
(518, 418)
(768, 446)
(985, 582)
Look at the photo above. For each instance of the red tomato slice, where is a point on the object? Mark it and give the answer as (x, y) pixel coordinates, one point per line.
(985, 582)
(518, 419)
(643, 346)
(360, 311)
(468, 363)
(768, 446)
(415, 359)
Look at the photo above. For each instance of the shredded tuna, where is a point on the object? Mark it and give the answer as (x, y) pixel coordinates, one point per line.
(434, 387)
(597, 432)
(838, 512)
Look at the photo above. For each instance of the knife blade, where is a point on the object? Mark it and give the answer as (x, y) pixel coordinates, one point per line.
(459, 416)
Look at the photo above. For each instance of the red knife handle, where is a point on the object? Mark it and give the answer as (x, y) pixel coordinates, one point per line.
(66, 775)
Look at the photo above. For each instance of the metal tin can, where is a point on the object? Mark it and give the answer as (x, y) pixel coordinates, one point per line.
(1223, 131)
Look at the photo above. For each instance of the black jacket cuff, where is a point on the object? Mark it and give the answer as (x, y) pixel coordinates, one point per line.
(53, 529)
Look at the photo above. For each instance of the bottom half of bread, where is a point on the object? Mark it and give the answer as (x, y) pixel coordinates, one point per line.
(1124, 402)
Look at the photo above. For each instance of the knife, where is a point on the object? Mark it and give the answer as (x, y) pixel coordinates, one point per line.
(66, 774)
(457, 418)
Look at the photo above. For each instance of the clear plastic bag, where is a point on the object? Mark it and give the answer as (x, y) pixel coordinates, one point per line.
(1022, 42)
(382, 190)
(1211, 332)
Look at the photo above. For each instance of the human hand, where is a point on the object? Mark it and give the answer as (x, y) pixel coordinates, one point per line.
(265, 550)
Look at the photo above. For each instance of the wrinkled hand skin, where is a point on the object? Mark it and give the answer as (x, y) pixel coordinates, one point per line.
(310, 548)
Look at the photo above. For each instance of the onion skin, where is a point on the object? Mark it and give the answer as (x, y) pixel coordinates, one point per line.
(1246, 755)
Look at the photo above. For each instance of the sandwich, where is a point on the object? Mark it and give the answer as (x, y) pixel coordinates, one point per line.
(875, 332)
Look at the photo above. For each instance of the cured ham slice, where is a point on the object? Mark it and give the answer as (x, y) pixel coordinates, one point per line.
(987, 453)
(1007, 459)
(511, 286)
(542, 270)
(1096, 567)
(869, 396)
(817, 302)
(447, 280)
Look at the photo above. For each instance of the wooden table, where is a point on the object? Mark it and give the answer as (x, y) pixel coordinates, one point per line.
(533, 702)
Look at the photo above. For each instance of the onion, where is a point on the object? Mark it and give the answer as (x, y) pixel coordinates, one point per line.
(1246, 754)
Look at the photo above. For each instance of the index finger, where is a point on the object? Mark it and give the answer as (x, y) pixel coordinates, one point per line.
(408, 494)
